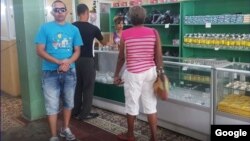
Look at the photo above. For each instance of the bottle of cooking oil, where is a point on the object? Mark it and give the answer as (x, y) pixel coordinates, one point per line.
(217, 40)
(248, 41)
(199, 39)
(232, 40)
(203, 39)
(195, 39)
(190, 38)
(222, 40)
(208, 39)
(212, 39)
(185, 39)
(243, 40)
(227, 40)
(237, 41)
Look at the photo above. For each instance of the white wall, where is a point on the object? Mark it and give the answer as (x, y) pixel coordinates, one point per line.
(8, 31)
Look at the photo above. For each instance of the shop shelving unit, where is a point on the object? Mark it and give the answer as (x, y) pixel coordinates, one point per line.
(167, 33)
(215, 7)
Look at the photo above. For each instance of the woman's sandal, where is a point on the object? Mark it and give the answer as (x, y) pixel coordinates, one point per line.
(124, 137)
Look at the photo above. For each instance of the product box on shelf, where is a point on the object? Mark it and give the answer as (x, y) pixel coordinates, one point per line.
(153, 1)
(176, 42)
(116, 4)
(162, 1)
(135, 2)
(123, 3)
(246, 18)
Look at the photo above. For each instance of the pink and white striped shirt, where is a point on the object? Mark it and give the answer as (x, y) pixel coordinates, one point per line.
(139, 48)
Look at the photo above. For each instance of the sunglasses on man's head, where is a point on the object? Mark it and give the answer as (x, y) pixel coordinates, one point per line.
(59, 10)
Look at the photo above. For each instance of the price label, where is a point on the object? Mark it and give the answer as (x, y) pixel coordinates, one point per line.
(216, 48)
(242, 77)
(166, 25)
(235, 75)
(185, 68)
(208, 25)
(236, 92)
(181, 82)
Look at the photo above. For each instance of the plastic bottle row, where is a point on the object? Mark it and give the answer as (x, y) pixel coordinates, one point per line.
(239, 41)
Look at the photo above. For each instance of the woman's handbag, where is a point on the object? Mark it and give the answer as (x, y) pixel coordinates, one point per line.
(161, 87)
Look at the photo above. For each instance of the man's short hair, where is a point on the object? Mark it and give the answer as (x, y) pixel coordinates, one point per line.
(56, 1)
(82, 8)
(137, 15)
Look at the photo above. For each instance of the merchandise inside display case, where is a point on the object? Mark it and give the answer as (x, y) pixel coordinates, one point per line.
(191, 79)
(105, 61)
(233, 92)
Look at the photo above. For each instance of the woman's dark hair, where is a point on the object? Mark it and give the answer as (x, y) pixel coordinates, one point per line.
(137, 15)
(82, 8)
(118, 19)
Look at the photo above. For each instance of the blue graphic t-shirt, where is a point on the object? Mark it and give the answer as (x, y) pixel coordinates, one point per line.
(59, 41)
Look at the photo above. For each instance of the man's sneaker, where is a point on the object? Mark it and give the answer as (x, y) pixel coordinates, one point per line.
(67, 134)
(54, 139)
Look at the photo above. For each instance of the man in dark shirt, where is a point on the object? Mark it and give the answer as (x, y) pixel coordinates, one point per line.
(85, 67)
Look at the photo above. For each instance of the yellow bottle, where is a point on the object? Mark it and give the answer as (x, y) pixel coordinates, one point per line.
(232, 42)
(203, 39)
(227, 41)
(208, 40)
(216, 40)
(222, 40)
(243, 41)
(186, 39)
(248, 41)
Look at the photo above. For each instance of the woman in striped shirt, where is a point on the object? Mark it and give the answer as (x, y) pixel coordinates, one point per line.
(141, 51)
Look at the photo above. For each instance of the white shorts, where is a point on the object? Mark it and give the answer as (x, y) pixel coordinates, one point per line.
(139, 86)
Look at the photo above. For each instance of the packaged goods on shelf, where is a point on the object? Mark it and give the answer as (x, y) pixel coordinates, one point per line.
(246, 18)
(116, 4)
(207, 62)
(217, 19)
(124, 3)
(153, 1)
(221, 40)
(135, 2)
(176, 42)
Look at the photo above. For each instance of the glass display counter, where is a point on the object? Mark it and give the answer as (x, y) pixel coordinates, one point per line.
(105, 61)
(232, 95)
(197, 86)
(189, 104)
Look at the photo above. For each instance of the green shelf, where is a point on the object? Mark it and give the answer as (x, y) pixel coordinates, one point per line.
(161, 25)
(217, 49)
(152, 25)
(160, 4)
(170, 46)
(222, 24)
(150, 5)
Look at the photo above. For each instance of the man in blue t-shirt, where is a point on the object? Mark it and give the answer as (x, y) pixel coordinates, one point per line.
(58, 44)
